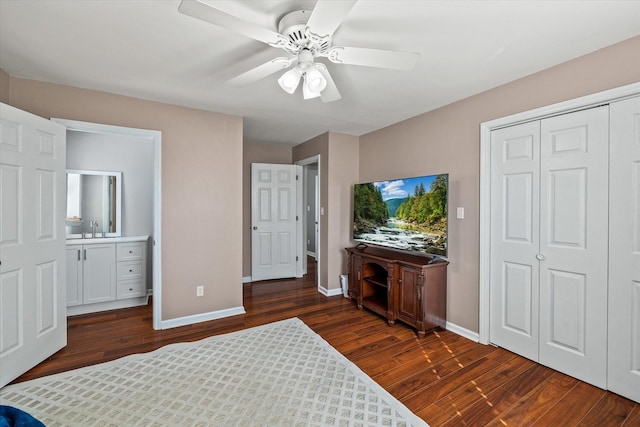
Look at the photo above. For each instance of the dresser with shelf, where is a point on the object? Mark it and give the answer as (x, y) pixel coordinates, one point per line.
(400, 286)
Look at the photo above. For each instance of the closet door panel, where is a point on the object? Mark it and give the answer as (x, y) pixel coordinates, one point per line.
(574, 243)
(624, 264)
(514, 243)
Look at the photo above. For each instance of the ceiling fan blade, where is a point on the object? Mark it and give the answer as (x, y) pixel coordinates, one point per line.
(261, 71)
(330, 92)
(212, 15)
(327, 16)
(391, 59)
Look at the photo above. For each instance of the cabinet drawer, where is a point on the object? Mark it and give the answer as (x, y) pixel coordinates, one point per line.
(130, 270)
(131, 251)
(131, 289)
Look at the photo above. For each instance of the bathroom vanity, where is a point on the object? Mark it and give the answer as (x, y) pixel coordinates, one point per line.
(106, 273)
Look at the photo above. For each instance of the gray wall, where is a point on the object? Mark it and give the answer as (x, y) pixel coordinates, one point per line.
(133, 156)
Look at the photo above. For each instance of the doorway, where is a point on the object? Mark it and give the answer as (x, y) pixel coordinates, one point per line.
(154, 137)
(311, 236)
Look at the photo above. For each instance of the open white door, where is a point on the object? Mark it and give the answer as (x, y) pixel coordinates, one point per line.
(33, 317)
(274, 240)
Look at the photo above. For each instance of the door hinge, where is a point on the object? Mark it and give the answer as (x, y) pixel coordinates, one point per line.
(296, 217)
(296, 258)
(296, 177)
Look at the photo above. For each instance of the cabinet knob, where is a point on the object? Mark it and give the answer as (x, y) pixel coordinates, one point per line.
(130, 252)
(540, 257)
(130, 289)
(399, 281)
(130, 271)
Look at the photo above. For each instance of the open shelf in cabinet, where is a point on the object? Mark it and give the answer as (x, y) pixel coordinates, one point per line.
(374, 288)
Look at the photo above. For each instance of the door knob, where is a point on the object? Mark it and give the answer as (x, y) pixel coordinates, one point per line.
(540, 257)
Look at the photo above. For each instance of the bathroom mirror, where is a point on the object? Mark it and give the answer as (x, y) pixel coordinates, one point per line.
(94, 196)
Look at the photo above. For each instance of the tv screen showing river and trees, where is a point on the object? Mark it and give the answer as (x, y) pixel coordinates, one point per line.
(408, 214)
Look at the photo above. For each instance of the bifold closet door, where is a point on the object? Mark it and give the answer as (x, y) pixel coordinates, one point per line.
(515, 206)
(549, 248)
(624, 260)
(574, 206)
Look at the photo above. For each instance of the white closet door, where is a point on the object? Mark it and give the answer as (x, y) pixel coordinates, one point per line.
(515, 176)
(574, 243)
(624, 262)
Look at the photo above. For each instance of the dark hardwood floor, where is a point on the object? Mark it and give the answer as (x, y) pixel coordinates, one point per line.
(445, 379)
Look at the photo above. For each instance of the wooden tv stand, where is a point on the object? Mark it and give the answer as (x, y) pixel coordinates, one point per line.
(400, 286)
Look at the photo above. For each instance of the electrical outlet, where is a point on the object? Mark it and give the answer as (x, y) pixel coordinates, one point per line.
(199, 291)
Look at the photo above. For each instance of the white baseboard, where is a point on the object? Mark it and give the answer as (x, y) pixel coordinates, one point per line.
(202, 317)
(473, 336)
(329, 292)
(246, 279)
(75, 310)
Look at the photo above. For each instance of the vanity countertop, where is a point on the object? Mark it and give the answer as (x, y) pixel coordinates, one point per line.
(98, 240)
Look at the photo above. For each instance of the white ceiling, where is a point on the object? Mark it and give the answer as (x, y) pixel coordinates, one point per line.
(147, 49)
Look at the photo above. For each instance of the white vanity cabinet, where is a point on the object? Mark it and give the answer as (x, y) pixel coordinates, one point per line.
(106, 273)
(131, 269)
(92, 273)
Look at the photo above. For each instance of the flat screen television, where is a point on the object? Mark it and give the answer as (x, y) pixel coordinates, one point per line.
(408, 214)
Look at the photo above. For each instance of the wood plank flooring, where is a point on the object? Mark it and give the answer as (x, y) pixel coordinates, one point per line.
(444, 378)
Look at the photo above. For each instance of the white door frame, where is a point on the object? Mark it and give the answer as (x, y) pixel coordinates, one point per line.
(156, 137)
(309, 161)
(485, 178)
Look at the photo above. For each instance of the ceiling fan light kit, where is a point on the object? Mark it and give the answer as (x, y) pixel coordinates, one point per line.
(314, 81)
(304, 35)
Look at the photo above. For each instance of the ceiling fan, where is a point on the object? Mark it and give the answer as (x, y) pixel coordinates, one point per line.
(304, 35)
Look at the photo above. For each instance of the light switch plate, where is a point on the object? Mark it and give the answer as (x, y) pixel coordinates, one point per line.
(460, 213)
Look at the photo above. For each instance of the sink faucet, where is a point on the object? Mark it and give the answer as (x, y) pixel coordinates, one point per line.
(94, 227)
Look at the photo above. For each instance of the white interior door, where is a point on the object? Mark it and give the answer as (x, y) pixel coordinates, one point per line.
(274, 238)
(32, 241)
(623, 374)
(574, 205)
(515, 177)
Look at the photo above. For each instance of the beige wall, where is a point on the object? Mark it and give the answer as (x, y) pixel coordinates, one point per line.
(448, 140)
(343, 174)
(201, 187)
(4, 87)
(256, 153)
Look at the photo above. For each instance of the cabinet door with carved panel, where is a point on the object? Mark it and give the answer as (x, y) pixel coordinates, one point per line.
(409, 295)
